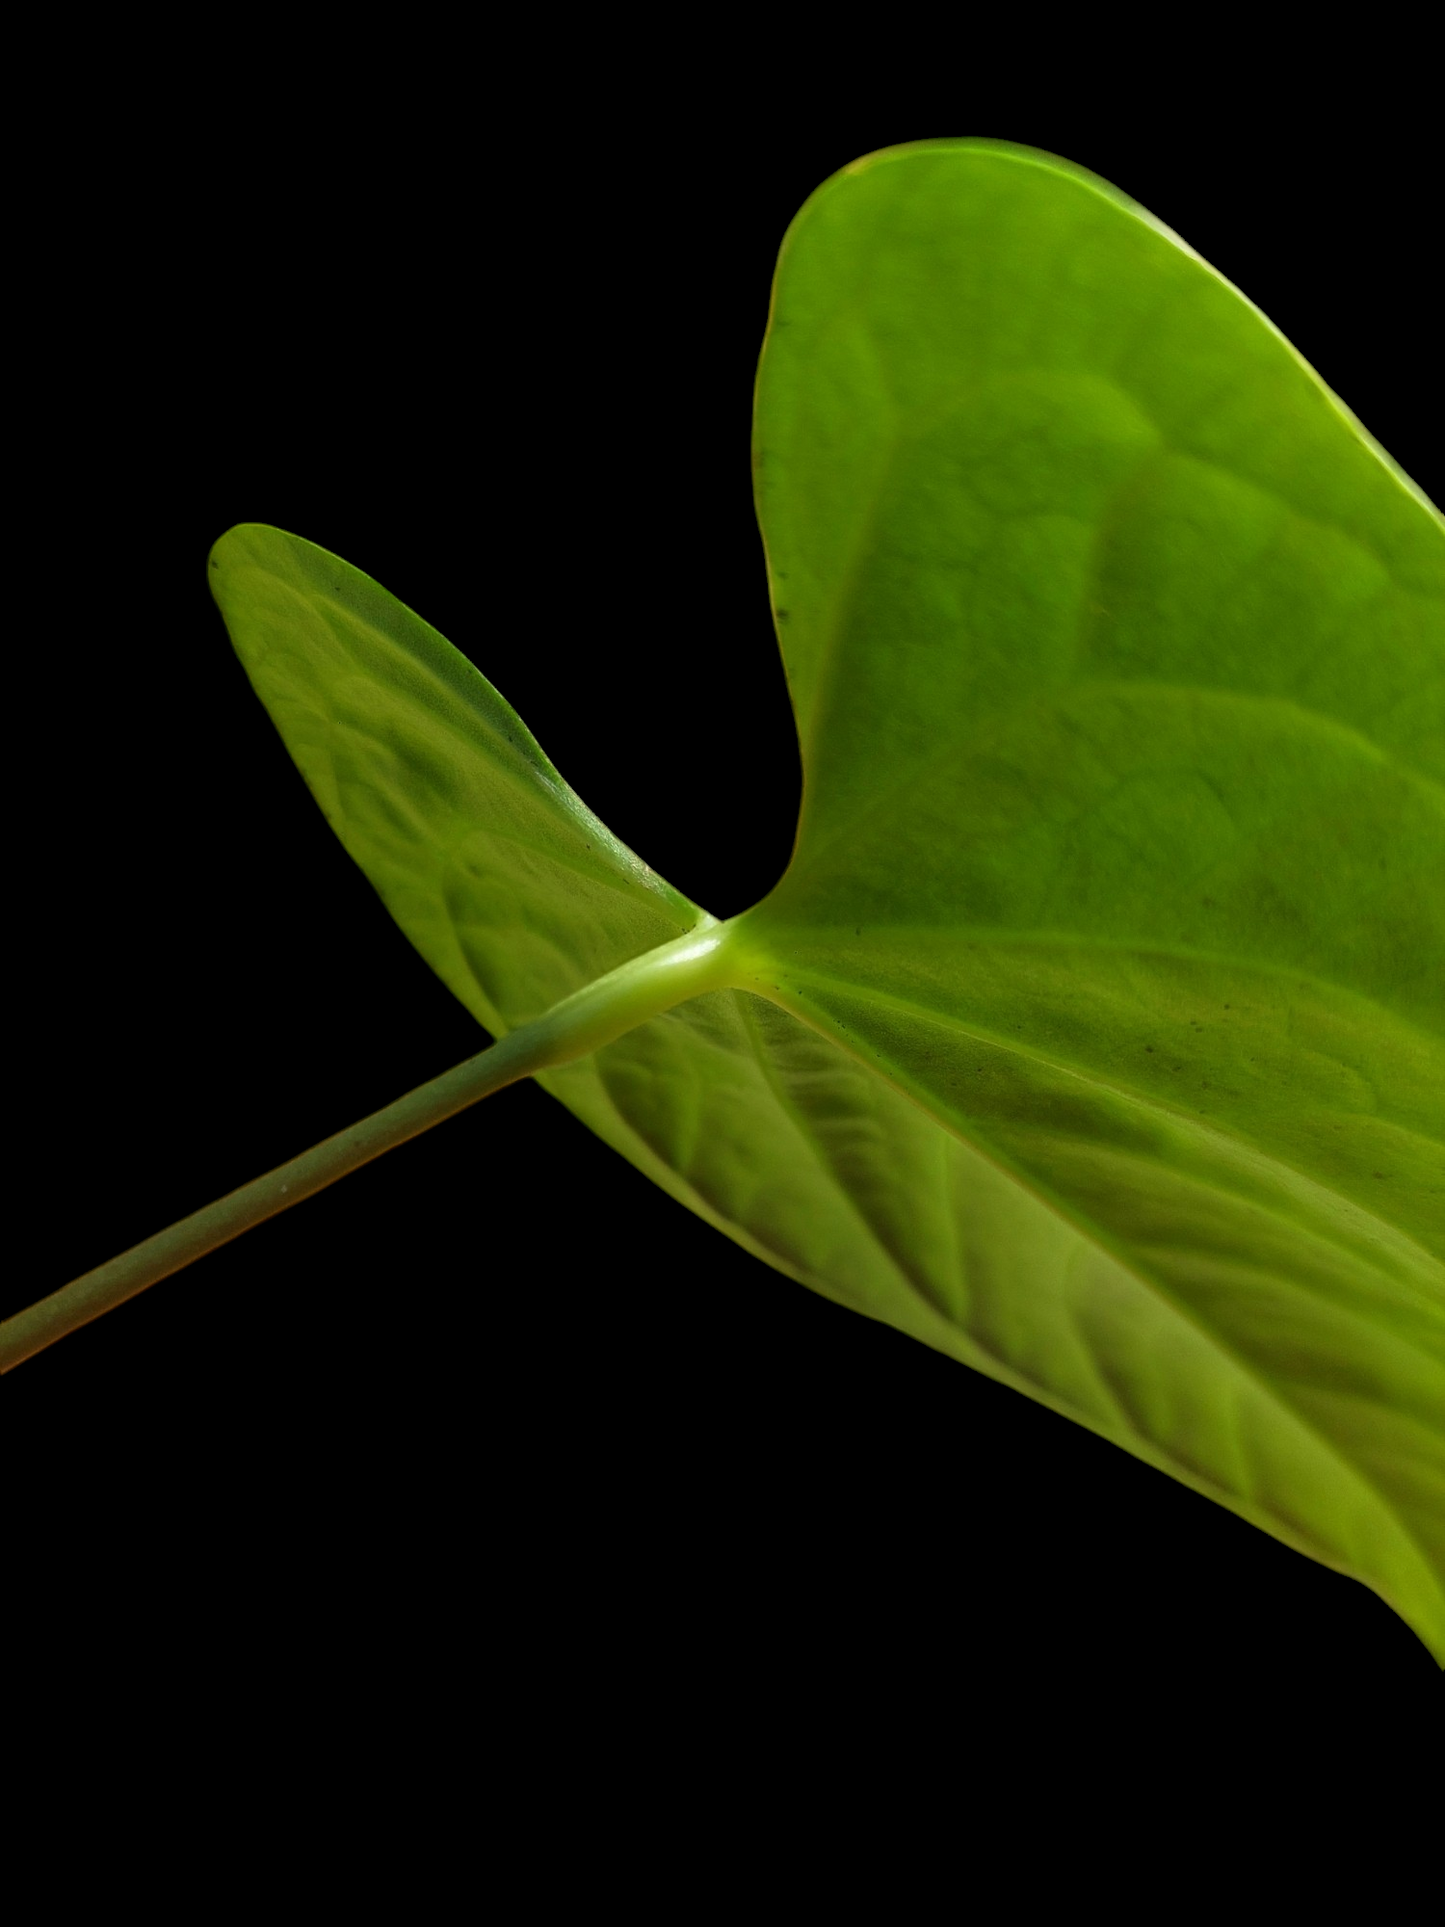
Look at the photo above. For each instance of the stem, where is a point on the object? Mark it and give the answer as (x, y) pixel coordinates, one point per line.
(594, 1016)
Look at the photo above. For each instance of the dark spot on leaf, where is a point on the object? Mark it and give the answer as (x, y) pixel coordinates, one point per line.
(1377, 1174)
(782, 615)
(1150, 1049)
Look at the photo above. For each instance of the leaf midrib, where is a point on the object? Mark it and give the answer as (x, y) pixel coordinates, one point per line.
(991, 936)
(1145, 1101)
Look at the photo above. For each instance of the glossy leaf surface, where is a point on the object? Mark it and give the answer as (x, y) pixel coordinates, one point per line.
(1099, 1040)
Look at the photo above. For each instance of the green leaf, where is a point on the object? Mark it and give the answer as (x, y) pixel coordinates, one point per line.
(1096, 1034)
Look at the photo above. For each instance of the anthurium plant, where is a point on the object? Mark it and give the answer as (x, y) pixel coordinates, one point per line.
(1095, 1035)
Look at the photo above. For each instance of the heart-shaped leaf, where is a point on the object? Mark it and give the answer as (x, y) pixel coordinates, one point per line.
(1096, 1034)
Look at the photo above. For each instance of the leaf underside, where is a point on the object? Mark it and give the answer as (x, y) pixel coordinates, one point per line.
(1103, 1042)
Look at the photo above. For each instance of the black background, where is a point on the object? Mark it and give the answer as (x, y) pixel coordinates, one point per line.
(496, 1406)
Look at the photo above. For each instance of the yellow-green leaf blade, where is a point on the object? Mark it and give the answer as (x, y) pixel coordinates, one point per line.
(1118, 651)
